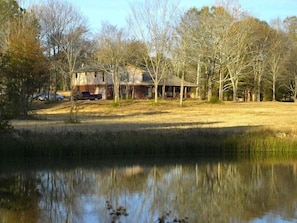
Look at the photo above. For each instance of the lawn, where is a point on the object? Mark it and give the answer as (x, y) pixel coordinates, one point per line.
(166, 115)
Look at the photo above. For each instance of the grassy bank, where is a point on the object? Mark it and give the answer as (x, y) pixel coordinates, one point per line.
(158, 143)
(163, 129)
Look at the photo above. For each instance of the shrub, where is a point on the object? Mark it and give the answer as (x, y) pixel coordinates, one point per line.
(214, 100)
(5, 126)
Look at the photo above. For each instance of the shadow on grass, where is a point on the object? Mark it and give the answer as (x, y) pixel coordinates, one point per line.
(95, 124)
(117, 116)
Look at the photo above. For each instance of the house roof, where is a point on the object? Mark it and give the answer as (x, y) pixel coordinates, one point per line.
(88, 69)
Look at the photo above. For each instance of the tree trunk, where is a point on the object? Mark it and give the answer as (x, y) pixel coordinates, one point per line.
(295, 89)
(127, 91)
(234, 86)
(116, 86)
(133, 92)
(156, 91)
(198, 78)
(209, 88)
(221, 87)
(163, 90)
(181, 96)
(273, 87)
(259, 89)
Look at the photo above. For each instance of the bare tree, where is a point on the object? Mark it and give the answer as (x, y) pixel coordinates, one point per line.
(135, 52)
(181, 53)
(188, 32)
(206, 31)
(62, 30)
(258, 45)
(216, 23)
(112, 54)
(153, 24)
(276, 55)
(290, 24)
(236, 57)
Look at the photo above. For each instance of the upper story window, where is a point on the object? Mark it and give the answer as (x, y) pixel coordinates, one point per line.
(125, 77)
(146, 77)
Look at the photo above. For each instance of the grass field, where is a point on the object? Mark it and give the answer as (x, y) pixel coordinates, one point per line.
(167, 114)
(146, 128)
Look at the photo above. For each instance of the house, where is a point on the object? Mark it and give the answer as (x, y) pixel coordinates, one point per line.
(133, 81)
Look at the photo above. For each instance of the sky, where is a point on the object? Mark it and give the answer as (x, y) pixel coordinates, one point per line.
(116, 12)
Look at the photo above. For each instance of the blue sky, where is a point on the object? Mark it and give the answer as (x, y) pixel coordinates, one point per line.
(116, 11)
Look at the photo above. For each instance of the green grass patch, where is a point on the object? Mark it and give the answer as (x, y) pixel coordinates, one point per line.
(263, 141)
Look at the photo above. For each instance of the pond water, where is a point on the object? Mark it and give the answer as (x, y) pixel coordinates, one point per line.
(148, 190)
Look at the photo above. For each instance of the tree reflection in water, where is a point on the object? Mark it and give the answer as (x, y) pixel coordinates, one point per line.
(218, 191)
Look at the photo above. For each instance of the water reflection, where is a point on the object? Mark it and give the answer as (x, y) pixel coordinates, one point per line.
(156, 191)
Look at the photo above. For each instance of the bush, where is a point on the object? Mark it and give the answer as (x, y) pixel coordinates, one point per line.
(214, 100)
(5, 126)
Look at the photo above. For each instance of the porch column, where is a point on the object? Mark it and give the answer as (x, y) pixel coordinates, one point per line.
(173, 92)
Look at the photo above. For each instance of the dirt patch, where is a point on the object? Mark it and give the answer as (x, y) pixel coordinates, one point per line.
(144, 115)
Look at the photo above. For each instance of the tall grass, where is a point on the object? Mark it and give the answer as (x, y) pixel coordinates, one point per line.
(264, 141)
(186, 143)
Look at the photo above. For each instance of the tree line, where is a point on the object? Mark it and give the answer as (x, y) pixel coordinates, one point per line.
(229, 54)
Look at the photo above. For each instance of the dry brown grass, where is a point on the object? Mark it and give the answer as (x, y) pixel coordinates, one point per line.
(144, 115)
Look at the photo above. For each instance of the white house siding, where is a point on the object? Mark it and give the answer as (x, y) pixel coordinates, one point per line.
(87, 78)
(129, 75)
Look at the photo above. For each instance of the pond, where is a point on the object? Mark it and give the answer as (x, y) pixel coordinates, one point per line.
(148, 190)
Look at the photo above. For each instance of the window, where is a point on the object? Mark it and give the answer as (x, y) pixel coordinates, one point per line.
(124, 77)
(146, 77)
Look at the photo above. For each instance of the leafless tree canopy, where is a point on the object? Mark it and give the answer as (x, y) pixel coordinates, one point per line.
(63, 30)
(154, 25)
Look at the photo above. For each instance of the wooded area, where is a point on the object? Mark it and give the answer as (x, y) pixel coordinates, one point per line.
(226, 52)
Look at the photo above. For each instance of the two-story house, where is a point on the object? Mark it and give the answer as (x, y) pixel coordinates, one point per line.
(134, 81)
